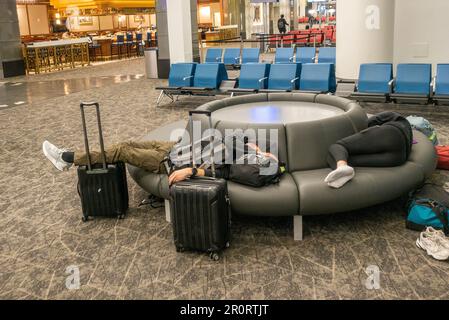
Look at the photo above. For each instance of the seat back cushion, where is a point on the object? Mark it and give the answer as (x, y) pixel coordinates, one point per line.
(308, 142)
(282, 74)
(442, 81)
(413, 78)
(374, 77)
(251, 73)
(305, 55)
(210, 75)
(327, 55)
(250, 55)
(284, 55)
(213, 55)
(232, 56)
(318, 77)
(181, 74)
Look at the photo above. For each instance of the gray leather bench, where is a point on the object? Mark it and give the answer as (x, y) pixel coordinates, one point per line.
(304, 146)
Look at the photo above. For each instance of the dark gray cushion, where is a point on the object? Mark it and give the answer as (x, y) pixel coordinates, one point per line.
(423, 154)
(370, 186)
(273, 200)
(308, 142)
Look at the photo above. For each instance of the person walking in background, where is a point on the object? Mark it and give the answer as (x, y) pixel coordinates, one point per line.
(282, 24)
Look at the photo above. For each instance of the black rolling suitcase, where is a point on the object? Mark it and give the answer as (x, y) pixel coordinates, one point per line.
(102, 187)
(200, 210)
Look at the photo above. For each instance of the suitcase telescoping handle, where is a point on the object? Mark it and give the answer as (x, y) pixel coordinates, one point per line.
(211, 138)
(100, 133)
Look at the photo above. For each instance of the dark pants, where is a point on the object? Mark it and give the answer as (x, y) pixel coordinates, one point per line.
(379, 146)
(283, 30)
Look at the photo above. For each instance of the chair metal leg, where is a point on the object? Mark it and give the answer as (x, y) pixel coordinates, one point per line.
(167, 211)
(161, 95)
(297, 228)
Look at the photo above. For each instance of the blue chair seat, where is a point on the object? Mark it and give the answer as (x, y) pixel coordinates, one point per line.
(232, 56)
(250, 55)
(209, 75)
(181, 75)
(327, 55)
(412, 82)
(442, 84)
(305, 54)
(318, 78)
(284, 76)
(253, 77)
(374, 83)
(213, 55)
(284, 55)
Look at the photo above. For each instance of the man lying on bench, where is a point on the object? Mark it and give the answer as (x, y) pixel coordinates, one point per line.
(153, 155)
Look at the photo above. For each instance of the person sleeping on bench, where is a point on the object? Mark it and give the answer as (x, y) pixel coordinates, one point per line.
(148, 155)
(387, 142)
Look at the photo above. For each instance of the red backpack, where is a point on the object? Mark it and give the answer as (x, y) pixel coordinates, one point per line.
(443, 157)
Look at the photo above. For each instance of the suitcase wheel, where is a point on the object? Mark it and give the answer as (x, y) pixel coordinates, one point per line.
(121, 217)
(179, 249)
(84, 218)
(227, 244)
(214, 256)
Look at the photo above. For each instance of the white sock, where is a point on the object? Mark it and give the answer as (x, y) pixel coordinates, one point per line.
(340, 176)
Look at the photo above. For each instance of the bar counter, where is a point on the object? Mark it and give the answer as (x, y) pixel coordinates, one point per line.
(54, 55)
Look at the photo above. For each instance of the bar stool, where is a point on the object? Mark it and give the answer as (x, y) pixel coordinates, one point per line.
(148, 41)
(139, 47)
(118, 46)
(94, 46)
(129, 44)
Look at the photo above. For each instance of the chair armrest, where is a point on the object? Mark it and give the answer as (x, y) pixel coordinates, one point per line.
(391, 84)
(218, 59)
(237, 60)
(261, 80)
(290, 59)
(293, 82)
(433, 84)
(185, 78)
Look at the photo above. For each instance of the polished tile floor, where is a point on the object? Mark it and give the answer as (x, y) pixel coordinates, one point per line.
(42, 236)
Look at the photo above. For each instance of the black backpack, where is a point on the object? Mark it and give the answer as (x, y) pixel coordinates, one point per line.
(281, 24)
(256, 174)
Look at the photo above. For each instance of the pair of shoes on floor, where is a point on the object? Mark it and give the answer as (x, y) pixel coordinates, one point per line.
(54, 154)
(435, 243)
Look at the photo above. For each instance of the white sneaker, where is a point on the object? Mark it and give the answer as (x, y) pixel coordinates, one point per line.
(435, 243)
(54, 154)
(440, 235)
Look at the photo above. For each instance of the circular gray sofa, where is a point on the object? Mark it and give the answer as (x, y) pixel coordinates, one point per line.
(303, 146)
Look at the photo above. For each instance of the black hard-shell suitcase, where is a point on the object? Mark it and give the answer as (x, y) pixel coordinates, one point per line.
(102, 187)
(200, 210)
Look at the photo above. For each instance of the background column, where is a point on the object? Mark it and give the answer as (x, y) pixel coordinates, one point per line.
(365, 34)
(302, 8)
(177, 33)
(182, 30)
(11, 61)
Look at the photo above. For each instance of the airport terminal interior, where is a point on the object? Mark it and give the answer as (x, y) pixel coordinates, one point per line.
(315, 75)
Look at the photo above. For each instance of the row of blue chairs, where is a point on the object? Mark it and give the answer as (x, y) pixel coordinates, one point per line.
(212, 79)
(307, 77)
(235, 56)
(232, 56)
(413, 83)
(305, 55)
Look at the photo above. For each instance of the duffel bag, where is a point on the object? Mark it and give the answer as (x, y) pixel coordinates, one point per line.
(429, 207)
